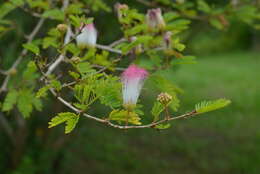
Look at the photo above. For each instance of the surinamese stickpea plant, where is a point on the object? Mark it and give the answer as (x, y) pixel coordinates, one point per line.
(66, 58)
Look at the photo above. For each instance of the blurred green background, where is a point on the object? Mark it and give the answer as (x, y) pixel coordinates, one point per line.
(224, 141)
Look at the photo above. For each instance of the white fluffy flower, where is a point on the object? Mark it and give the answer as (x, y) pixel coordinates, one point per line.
(132, 79)
(88, 36)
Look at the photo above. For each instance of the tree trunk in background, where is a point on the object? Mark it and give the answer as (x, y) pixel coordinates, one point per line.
(256, 40)
(20, 140)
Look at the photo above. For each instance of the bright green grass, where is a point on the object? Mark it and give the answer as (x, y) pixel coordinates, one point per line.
(226, 141)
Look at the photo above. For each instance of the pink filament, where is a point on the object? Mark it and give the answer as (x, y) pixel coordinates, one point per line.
(134, 71)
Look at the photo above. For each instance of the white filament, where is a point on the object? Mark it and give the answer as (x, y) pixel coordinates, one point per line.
(131, 90)
(88, 37)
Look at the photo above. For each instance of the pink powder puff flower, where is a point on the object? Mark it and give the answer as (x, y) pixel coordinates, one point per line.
(132, 80)
(88, 35)
(154, 19)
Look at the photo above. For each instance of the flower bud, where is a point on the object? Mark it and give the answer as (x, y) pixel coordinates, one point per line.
(88, 36)
(154, 19)
(164, 98)
(167, 39)
(62, 28)
(75, 59)
(118, 8)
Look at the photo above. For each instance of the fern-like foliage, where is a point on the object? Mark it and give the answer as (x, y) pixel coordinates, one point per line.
(10, 100)
(70, 118)
(206, 106)
(24, 99)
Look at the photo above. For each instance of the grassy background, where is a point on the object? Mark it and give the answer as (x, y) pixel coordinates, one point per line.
(225, 141)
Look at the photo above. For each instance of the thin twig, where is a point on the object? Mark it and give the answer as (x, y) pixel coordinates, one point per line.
(69, 84)
(23, 53)
(3, 72)
(62, 56)
(107, 48)
(117, 42)
(151, 125)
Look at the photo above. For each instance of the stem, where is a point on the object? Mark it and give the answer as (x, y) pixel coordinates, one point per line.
(62, 56)
(167, 113)
(107, 48)
(117, 42)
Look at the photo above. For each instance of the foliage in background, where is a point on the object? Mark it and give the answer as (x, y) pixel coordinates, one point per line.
(90, 76)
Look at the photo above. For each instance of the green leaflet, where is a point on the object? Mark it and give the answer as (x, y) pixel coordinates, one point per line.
(75, 75)
(49, 41)
(70, 118)
(123, 115)
(25, 100)
(75, 8)
(156, 110)
(216, 23)
(247, 14)
(109, 91)
(43, 4)
(30, 73)
(9, 6)
(76, 20)
(136, 30)
(52, 40)
(24, 104)
(207, 106)
(42, 92)
(184, 60)
(96, 5)
(85, 69)
(131, 16)
(178, 25)
(56, 84)
(163, 126)
(203, 6)
(54, 14)
(10, 100)
(169, 16)
(72, 48)
(83, 93)
(32, 47)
